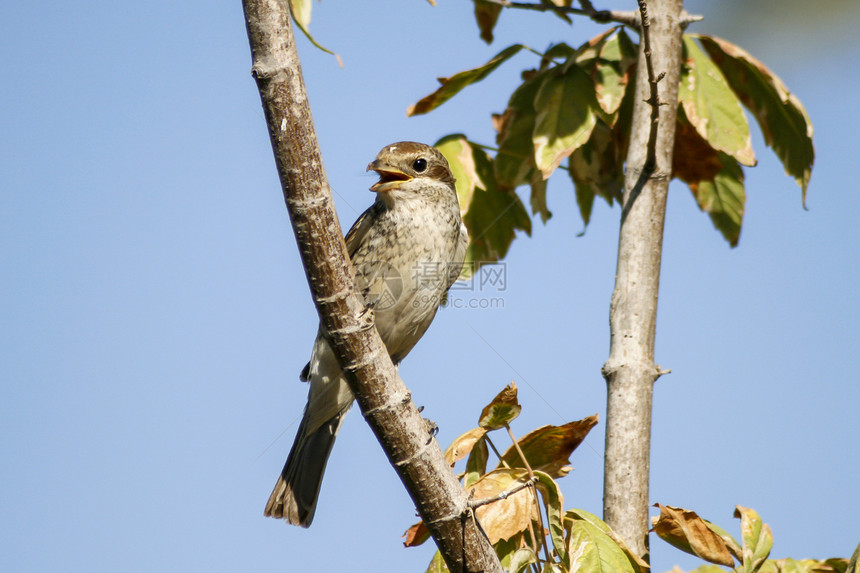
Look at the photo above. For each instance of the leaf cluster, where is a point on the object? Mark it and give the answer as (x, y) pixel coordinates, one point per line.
(518, 503)
(685, 530)
(519, 506)
(573, 111)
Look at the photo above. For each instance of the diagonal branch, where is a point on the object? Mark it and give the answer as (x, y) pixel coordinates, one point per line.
(379, 391)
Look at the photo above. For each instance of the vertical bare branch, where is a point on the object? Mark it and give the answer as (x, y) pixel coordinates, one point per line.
(382, 396)
(630, 370)
(653, 79)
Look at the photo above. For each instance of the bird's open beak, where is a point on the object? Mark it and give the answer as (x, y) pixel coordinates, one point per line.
(389, 177)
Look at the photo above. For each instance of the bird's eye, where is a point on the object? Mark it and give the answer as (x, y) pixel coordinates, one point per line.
(419, 165)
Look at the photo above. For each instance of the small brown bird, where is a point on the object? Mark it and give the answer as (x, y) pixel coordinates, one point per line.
(408, 249)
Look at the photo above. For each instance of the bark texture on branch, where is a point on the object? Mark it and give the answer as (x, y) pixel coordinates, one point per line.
(630, 370)
(381, 395)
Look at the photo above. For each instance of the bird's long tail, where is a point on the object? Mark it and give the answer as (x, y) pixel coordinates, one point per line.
(295, 495)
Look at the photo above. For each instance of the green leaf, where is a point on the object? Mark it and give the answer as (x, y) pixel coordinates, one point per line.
(486, 15)
(521, 559)
(789, 565)
(590, 50)
(437, 564)
(458, 151)
(538, 197)
(493, 218)
(757, 539)
(476, 465)
(638, 564)
(556, 54)
(854, 562)
(515, 158)
(783, 120)
(612, 71)
(590, 550)
(712, 107)
(503, 409)
(840, 564)
(492, 214)
(554, 503)
(585, 193)
(723, 198)
(300, 10)
(453, 85)
(598, 167)
(566, 115)
(708, 568)
(505, 549)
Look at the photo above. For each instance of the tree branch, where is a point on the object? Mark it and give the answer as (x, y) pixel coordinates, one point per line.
(654, 97)
(381, 395)
(601, 16)
(630, 370)
(631, 18)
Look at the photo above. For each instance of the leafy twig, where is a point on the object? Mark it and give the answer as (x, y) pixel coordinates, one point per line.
(630, 19)
(654, 99)
(600, 16)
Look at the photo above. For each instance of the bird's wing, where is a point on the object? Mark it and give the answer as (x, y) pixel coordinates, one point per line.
(459, 256)
(359, 229)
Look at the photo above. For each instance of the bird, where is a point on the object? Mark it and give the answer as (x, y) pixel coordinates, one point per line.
(407, 249)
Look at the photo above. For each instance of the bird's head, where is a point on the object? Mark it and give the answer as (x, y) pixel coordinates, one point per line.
(407, 169)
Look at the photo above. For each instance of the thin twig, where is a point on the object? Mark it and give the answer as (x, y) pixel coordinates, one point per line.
(504, 495)
(631, 19)
(654, 99)
(498, 455)
(532, 479)
(600, 16)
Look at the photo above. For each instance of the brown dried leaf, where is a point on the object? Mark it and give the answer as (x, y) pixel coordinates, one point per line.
(548, 448)
(688, 532)
(504, 518)
(416, 535)
(693, 159)
(463, 444)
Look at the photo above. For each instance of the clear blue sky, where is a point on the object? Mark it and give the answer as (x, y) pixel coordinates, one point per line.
(154, 315)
